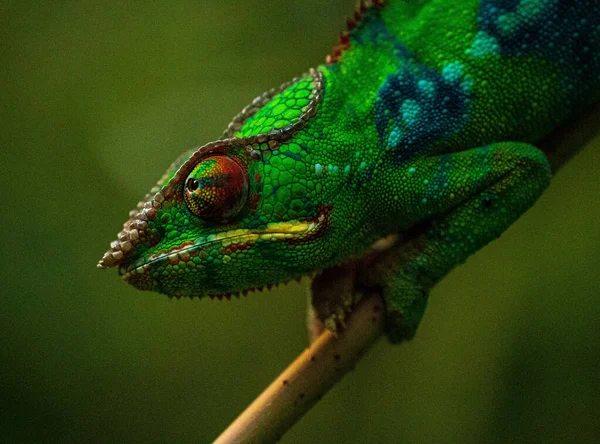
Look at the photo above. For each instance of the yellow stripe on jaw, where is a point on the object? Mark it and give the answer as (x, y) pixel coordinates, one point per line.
(273, 231)
(289, 227)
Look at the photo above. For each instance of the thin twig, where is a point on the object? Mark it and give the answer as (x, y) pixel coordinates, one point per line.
(308, 378)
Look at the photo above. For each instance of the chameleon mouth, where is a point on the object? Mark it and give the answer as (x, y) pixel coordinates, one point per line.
(231, 241)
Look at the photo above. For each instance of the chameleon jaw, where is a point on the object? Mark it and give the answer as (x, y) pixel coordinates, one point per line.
(140, 275)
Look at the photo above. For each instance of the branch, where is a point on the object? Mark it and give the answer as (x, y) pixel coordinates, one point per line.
(308, 378)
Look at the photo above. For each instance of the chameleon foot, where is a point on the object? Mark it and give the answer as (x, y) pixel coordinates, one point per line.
(333, 296)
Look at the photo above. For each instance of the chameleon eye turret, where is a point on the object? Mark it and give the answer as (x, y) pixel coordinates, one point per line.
(216, 189)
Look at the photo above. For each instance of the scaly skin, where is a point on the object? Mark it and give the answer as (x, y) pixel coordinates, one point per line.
(424, 119)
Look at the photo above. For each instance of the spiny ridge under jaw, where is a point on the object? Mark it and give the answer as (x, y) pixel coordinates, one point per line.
(237, 294)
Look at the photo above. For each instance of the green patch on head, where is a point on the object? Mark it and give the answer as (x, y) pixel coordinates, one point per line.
(284, 109)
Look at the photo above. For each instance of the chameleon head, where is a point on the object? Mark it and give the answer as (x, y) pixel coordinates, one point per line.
(236, 214)
(212, 229)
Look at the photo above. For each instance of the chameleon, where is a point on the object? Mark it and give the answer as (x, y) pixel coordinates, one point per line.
(428, 121)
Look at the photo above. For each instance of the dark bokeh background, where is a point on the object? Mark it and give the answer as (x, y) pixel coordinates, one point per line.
(96, 99)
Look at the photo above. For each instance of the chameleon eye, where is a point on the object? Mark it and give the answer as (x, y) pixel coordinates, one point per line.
(216, 189)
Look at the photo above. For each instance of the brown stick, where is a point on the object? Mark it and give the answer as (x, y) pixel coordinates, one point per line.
(308, 378)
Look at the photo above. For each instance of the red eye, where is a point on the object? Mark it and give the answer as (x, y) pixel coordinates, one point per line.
(216, 189)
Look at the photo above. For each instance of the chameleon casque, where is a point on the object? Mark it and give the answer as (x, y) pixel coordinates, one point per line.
(424, 120)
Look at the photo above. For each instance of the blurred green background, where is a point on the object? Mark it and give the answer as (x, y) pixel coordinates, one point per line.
(96, 99)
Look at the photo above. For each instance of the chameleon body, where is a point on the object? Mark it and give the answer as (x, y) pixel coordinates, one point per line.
(424, 119)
